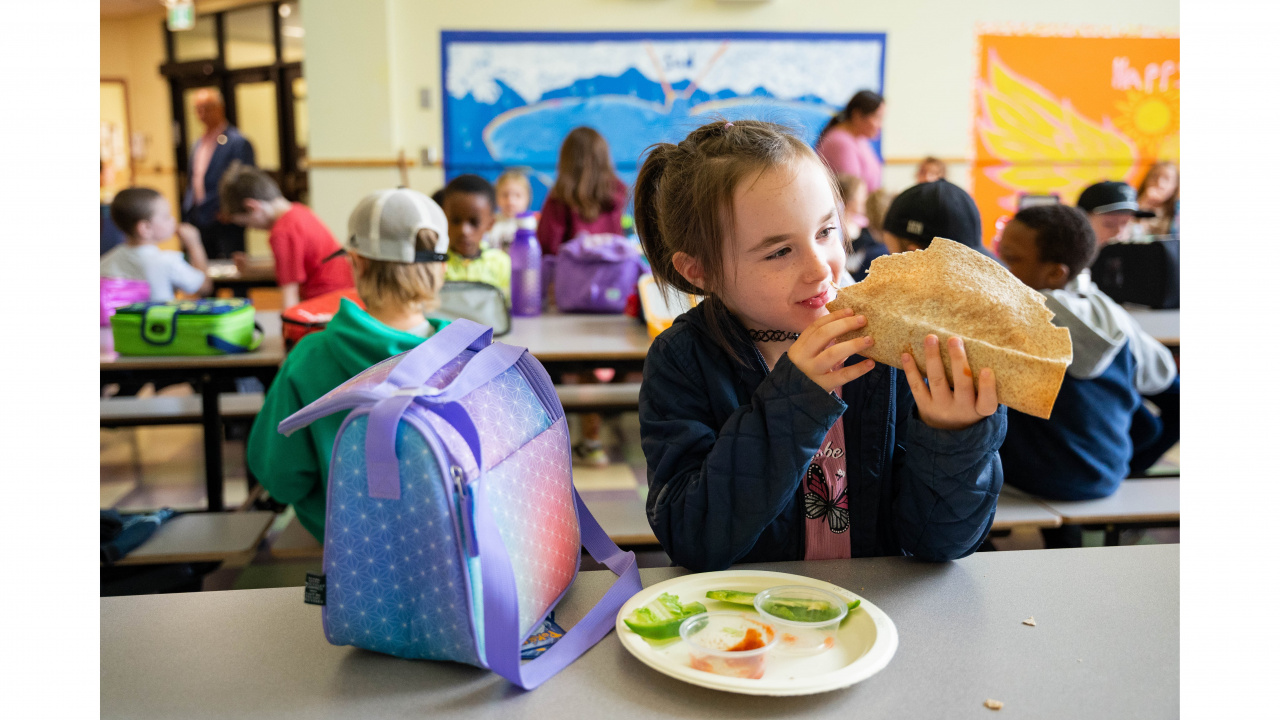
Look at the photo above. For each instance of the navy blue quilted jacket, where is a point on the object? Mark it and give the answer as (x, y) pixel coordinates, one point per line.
(728, 444)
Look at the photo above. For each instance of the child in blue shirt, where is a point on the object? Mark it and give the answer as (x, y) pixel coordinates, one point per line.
(1100, 432)
(146, 220)
(765, 439)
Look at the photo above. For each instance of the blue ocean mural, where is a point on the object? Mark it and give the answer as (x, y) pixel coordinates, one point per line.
(510, 98)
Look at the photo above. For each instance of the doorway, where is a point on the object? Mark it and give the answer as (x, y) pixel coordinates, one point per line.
(253, 56)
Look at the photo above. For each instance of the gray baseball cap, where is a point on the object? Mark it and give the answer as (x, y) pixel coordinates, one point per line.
(385, 225)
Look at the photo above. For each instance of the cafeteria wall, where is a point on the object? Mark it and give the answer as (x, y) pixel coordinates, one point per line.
(367, 62)
(132, 49)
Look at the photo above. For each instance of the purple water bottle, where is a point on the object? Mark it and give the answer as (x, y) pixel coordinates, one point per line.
(526, 268)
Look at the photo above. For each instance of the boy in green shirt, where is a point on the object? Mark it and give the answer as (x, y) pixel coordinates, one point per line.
(398, 240)
(469, 202)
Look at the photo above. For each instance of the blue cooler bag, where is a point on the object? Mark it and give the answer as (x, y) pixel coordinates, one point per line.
(452, 525)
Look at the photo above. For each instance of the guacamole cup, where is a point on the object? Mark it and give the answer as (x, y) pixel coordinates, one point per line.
(806, 618)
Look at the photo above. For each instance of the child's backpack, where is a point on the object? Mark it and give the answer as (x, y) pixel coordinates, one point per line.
(213, 326)
(452, 525)
(476, 301)
(117, 292)
(313, 314)
(596, 273)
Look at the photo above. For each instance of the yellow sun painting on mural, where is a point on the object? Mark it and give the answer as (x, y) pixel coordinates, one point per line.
(1039, 143)
(1152, 121)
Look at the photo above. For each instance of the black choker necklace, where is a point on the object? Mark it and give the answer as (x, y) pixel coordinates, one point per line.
(771, 335)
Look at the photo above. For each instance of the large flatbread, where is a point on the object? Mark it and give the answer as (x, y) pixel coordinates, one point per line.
(952, 290)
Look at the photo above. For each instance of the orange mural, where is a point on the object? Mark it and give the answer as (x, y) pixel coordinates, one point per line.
(1055, 114)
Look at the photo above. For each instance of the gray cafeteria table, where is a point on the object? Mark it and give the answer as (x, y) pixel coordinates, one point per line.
(1105, 645)
(210, 375)
(578, 342)
(1163, 325)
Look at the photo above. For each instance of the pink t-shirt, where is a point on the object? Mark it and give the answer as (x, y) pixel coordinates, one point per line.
(826, 499)
(849, 155)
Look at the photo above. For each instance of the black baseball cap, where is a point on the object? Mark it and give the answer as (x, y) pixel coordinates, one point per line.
(935, 209)
(1111, 196)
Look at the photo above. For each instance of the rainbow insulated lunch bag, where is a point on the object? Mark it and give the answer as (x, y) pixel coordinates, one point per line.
(452, 525)
(213, 326)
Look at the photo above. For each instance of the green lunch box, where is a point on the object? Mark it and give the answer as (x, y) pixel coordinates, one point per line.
(215, 326)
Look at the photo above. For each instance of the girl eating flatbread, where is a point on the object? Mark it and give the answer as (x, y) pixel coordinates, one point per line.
(766, 440)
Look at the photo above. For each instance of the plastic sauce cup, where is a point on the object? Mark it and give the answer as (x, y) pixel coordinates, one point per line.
(728, 643)
(806, 618)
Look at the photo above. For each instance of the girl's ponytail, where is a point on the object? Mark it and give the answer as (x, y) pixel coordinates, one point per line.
(648, 204)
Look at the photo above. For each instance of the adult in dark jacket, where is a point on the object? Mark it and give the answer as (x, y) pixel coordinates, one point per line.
(211, 155)
(723, 431)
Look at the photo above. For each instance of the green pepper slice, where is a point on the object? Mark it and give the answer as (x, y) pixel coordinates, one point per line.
(660, 619)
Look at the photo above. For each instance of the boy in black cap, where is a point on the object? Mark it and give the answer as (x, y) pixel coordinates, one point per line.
(1099, 432)
(1110, 206)
(933, 209)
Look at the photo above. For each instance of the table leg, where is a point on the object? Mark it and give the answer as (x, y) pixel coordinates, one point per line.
(212, 421)
(1112, 536)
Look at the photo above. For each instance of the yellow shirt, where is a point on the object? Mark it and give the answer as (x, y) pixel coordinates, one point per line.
(493, 267)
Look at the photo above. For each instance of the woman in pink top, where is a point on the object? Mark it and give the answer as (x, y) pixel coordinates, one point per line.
(845, 144)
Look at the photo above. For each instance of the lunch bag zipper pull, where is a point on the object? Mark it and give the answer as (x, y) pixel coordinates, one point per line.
(466, 507)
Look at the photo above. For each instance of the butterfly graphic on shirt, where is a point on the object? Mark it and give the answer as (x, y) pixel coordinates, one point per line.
(818, 502)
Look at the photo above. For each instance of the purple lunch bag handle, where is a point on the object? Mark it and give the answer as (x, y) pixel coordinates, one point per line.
(502, 636)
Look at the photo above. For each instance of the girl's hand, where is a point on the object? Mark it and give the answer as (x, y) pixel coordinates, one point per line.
(823, 362)
(941, 407)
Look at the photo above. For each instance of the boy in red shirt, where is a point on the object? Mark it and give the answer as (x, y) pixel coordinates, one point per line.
(304, 249)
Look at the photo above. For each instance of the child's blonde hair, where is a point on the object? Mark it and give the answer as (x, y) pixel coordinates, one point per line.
(878, 204)
(383, 283)
(684, 200)
(514, 175)
(849, 187)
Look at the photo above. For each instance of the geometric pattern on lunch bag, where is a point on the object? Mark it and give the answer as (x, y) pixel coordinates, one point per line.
(533, 503)
(506, 412)
(391, 587)
(414, 528)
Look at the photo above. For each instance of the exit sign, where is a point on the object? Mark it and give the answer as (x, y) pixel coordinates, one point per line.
(182, 15)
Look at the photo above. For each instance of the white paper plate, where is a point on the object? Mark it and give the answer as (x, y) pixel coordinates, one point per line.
(864, 645)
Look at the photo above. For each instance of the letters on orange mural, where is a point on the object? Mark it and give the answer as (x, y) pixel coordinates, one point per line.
(1054, 114)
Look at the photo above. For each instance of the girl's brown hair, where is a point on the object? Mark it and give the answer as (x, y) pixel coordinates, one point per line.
(1168, 206)
(585, 180)
(383, 283)
(684, 201)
